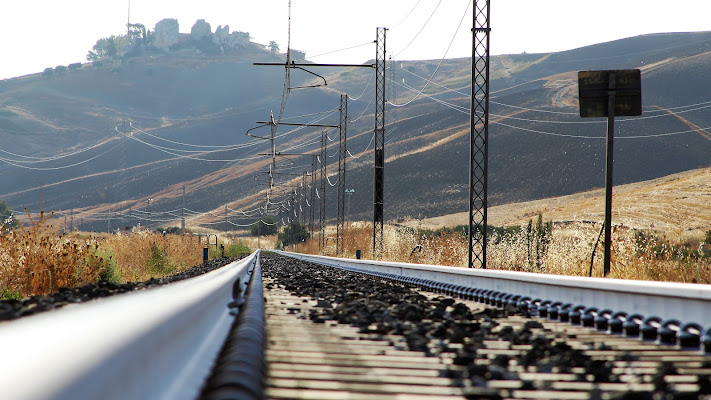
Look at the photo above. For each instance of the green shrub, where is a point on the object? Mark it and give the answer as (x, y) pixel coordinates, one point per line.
(237, 250)
(158, 262)
(6, 294)
(107, 265)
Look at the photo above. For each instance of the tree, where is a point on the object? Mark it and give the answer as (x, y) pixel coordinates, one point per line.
(264, 226)
(105, 47)
(7, 217)
(294, 233)
(273, 47)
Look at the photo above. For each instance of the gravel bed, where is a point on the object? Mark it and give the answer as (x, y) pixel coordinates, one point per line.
(437, 325)
(12, 309)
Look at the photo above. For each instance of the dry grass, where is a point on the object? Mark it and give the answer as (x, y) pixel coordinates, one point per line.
(568, 253)
(36, 259)
(675, 205)
(142, 255)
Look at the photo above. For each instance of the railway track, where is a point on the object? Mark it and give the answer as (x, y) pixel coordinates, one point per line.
(310, 327)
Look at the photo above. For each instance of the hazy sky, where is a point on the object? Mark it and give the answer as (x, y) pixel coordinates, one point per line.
(46, 33)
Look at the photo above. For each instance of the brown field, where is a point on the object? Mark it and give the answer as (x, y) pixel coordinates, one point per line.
(676, 206)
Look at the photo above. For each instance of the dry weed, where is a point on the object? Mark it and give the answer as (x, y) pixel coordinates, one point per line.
(569, 252)
(36, 260)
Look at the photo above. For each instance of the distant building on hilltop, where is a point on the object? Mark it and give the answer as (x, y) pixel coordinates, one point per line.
(166, 37)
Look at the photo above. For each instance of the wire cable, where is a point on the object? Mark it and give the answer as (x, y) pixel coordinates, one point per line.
(407, 16)
(370, 80)
(363, 152)
(364, 110)
(336, 51)
(421, 29)
(440, 62)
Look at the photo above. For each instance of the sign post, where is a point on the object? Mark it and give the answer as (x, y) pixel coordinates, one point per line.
(609, 94)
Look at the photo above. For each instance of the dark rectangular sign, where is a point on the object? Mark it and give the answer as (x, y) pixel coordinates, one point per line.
(594, 87)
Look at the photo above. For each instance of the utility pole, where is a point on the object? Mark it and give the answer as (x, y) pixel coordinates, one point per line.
(322, 201)
(149, 213)
(303, 197)
(379, 162)
(479, 136)
(341, 172)
(380, 126)
(312, 195)
(182, 214)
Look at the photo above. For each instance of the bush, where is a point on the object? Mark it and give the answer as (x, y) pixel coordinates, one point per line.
(108, 270)
(172, 230)
(294, 233)
(158, 261)
(264, 226)
(74, 66)
(49, 71)
(237, 250)
(60, 68)
(6, 294)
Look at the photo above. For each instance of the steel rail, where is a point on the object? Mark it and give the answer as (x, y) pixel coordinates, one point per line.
(156, 343)
(688, 303)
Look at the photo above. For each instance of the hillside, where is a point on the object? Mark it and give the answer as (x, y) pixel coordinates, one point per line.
(189, 114)
(676, 205)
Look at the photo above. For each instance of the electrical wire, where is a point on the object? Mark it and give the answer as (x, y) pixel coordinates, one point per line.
(406, 16)
(370, 80)
(62, 167)
(363, 152)
(364, 110)
(222, 147)
(421, 29)
(329, 181)
(190, 157)
(336, 51)
(438, 65)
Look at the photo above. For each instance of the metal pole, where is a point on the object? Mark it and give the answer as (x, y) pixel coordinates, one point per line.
(379, 152)
(182, 214)
(303, 198)
(322, 201)
(608, 170)
(312, 195)
(341, 173)
(479, 136)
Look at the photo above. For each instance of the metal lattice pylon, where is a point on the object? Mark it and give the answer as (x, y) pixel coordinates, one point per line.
(479, 136)
(342, 173)
(378, 181)
(322, 200)
(312, 195)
